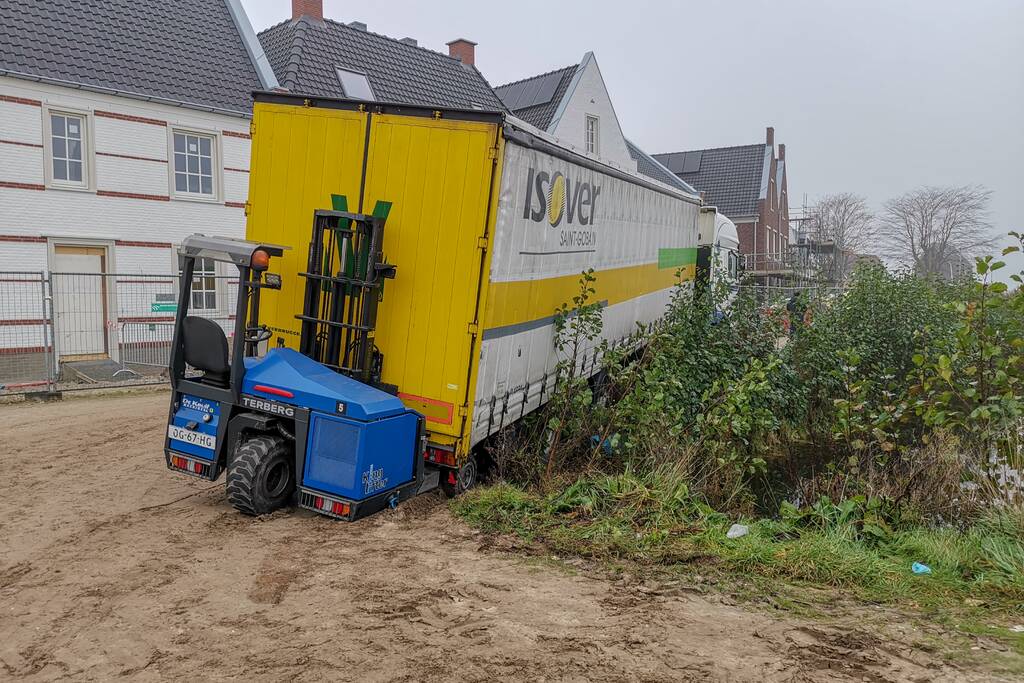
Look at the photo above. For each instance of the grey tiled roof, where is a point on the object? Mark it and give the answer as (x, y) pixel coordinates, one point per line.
(539, 114)
(729, 177)
(648, 166)
(183, 51)
(306, 53)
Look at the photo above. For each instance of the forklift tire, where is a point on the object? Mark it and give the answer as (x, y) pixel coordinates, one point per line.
(465, 479)
(260, 477)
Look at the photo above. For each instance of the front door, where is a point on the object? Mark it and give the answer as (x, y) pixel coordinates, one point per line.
(79, 301)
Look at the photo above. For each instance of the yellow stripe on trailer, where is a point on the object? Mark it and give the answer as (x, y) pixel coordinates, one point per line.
(515, 305)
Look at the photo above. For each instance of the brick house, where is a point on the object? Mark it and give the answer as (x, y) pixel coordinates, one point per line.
(748, 184)
(124, 127)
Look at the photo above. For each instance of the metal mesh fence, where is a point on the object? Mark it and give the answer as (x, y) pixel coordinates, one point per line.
(26, 341)
(50, 320)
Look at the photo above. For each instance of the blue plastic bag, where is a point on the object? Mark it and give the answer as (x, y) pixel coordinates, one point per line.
(921, 568)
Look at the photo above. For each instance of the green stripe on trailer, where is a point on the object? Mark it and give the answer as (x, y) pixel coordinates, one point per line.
(676, 257)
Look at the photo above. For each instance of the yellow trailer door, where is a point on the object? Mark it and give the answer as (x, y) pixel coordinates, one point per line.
(438, 175)
(300, 157)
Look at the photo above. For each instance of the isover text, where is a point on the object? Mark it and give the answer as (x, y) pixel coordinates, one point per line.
(557, 196)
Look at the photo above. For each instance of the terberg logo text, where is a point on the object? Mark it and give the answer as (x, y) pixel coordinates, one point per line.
(558, 197)
(268, 406)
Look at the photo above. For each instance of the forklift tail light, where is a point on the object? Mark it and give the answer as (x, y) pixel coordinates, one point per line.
(324, 505)
(189, 466)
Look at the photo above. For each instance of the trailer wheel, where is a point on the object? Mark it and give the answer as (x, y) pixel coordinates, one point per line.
(260, 477)
(465, 479)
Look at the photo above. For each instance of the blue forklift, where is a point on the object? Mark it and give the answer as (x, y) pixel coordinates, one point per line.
(313, 427)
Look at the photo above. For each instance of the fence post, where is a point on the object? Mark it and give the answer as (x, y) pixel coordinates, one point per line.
(49, 321)
(44, 308)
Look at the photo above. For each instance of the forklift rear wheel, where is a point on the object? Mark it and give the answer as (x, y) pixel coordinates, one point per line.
(260, 477)
(465, 479)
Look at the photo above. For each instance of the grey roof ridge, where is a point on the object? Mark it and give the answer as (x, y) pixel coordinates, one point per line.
(291, 69)
(396, 41)
(530, 78)
(104, 90)
(660, 165)
(258, 57)
(713, 149)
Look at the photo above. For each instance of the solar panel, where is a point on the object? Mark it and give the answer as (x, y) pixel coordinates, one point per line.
(547, 88)
(511, 95)
(532, 92)
(529, 95)
(691, 161)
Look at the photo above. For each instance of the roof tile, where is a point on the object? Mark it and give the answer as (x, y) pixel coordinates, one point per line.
(305, 55)
(185, 51)
(729, 177)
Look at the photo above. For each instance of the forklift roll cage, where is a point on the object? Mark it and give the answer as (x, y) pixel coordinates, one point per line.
(250, 281)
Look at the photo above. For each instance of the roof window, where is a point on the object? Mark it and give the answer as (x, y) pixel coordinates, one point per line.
(355, 85)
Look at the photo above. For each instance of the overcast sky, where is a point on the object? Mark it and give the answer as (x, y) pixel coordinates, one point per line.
(874, 97)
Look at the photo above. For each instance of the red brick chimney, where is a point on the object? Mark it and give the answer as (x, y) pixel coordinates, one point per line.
(463, 50)
(314, 9)
(769, 138)
(782, 151)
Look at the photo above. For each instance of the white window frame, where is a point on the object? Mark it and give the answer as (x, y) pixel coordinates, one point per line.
(216, 170)
(198, 274)
(592, 145)
(88, 166)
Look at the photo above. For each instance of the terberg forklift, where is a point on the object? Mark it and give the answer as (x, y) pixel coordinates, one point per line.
(314, 425)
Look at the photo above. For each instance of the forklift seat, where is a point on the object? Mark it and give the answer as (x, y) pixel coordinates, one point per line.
(206, 349)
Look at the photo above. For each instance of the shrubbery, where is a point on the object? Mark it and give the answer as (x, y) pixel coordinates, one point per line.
(886, 423)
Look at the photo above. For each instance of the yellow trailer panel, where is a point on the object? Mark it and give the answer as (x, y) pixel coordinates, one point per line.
(489, 229)
(439, 176)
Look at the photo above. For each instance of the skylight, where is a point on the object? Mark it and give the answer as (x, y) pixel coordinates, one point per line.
(355, 85)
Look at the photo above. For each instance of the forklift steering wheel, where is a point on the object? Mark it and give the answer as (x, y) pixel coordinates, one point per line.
(258, 335)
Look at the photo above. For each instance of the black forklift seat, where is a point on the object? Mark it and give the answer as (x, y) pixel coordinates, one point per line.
(206, 349)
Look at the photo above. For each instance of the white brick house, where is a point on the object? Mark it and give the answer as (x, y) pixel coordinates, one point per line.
(574, 105)
(124, 127)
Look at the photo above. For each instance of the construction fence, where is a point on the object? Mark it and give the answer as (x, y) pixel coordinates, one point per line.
(52, 324)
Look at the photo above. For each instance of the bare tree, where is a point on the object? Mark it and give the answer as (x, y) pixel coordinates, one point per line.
(844, 222)
(938, 229)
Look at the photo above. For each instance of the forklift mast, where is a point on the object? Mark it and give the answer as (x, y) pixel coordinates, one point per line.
(344, 283)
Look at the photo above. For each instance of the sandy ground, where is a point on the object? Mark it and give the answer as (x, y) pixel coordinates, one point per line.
(111, 566)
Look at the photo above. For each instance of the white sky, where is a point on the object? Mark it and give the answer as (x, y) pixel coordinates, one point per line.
(874, 97)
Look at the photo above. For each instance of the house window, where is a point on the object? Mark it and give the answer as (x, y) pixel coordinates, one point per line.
(204, 285)
(67, 149)
(193, 164)
(355, 85)
(592, 134)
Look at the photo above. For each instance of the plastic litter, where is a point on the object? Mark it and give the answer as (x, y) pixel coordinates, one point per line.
(737, 531)
(921, 568)
(1017, 629)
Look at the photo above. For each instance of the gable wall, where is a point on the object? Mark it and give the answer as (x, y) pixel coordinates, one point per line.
(591, 97)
